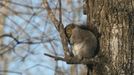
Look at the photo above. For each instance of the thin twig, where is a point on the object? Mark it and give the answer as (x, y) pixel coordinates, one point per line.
(9, 35)
(60, 14)
(56, 58)
(23, 42)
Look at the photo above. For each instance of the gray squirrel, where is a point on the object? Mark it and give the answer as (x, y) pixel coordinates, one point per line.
(83, 41)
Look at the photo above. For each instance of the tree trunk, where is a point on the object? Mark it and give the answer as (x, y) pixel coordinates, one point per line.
(115, 21)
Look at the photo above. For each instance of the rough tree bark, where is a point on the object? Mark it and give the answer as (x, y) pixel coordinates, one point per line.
(115, 21)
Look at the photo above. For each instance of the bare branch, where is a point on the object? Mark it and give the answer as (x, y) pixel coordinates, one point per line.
(56, 58)
(11, 36)
(60, 14)
(23, 42)
(58, 26)
(74, 60)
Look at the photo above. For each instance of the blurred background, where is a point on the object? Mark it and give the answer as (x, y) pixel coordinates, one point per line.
(27, 32)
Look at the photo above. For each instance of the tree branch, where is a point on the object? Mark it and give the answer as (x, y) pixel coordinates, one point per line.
(22, 42)
(56, 58)
(59, 26)
(74, 60)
